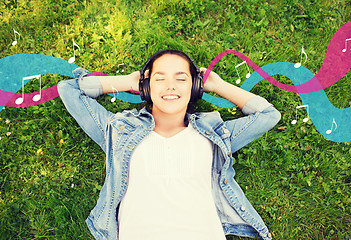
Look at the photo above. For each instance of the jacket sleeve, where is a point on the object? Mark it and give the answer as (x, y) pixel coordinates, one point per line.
(89, 114)
(261, 117)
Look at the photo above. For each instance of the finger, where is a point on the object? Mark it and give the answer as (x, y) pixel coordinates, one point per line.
(146, 73)
(202, 71)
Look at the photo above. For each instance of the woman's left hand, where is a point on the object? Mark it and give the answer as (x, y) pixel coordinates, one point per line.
(211, 81)
(232, 93)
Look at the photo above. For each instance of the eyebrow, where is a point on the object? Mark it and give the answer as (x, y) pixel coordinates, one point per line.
(178, 73)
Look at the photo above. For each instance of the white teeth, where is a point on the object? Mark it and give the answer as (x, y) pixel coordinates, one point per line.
(170, 97)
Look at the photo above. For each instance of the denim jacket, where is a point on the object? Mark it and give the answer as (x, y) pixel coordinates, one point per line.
(118, 134)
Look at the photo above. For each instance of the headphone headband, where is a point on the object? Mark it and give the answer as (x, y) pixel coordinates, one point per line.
(171, 51)
(144, 83)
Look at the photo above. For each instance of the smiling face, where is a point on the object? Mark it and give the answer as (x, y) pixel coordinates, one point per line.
(170, 85)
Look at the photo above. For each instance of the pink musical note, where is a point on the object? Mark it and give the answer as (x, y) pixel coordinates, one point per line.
(297, 65)
(344, 50)
(37, 97)
(305, 119)
(247, 75)
(19, 36)
(72, 59)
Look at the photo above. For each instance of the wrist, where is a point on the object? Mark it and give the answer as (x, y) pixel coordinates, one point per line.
(215, 83)
(134, 81)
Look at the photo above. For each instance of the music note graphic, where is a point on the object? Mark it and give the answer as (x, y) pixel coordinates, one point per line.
(120, 68)
(19, 36)
(329, 131)
(114, 96)
(264, 55)
(247, 75)
(297, 65)
(305, 119)
(37, 97)
(344, 50)
(72, 59)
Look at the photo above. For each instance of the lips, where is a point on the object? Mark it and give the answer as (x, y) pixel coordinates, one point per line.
(170, 97)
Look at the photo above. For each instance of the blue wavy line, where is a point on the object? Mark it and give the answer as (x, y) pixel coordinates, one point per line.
(321, 110)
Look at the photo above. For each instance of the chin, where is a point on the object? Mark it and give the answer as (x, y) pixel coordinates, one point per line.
(169, 110)
(171, 107)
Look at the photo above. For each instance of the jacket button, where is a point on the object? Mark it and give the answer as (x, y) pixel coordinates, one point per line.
(207, 133)
(242, 208)
(269, 235)
(225, 181)
(122, 127)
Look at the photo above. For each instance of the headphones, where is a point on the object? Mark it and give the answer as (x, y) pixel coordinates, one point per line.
(197, 86)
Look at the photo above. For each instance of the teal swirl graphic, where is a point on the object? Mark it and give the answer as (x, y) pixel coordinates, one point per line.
(333, 123)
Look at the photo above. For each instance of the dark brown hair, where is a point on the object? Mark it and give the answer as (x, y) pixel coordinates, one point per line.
(174, 52)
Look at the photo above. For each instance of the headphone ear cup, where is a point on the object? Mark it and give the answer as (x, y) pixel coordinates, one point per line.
(201, 82)
(145, 84)
(197, 89)
(141, 89)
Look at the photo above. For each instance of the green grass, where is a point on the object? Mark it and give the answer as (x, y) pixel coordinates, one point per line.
(51, 172)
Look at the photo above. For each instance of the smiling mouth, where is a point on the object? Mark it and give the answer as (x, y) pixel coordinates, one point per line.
(170, 97)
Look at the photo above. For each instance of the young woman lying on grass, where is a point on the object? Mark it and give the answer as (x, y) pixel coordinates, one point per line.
(169, 173)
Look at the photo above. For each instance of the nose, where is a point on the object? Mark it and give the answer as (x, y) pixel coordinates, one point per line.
(170, 84)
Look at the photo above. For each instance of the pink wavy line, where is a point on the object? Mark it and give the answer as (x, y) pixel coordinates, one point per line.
(335, 65)
(8, 98)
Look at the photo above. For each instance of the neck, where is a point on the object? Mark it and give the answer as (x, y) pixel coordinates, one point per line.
(168, 125)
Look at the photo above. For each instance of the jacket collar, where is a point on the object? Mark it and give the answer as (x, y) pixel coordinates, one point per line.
(208, 121)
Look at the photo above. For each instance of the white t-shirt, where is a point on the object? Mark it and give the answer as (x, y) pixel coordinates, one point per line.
(169, 190)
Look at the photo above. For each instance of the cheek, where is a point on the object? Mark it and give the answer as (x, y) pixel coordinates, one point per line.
(152, 94)
(153, 89)
(186, 89)
(155, 92)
